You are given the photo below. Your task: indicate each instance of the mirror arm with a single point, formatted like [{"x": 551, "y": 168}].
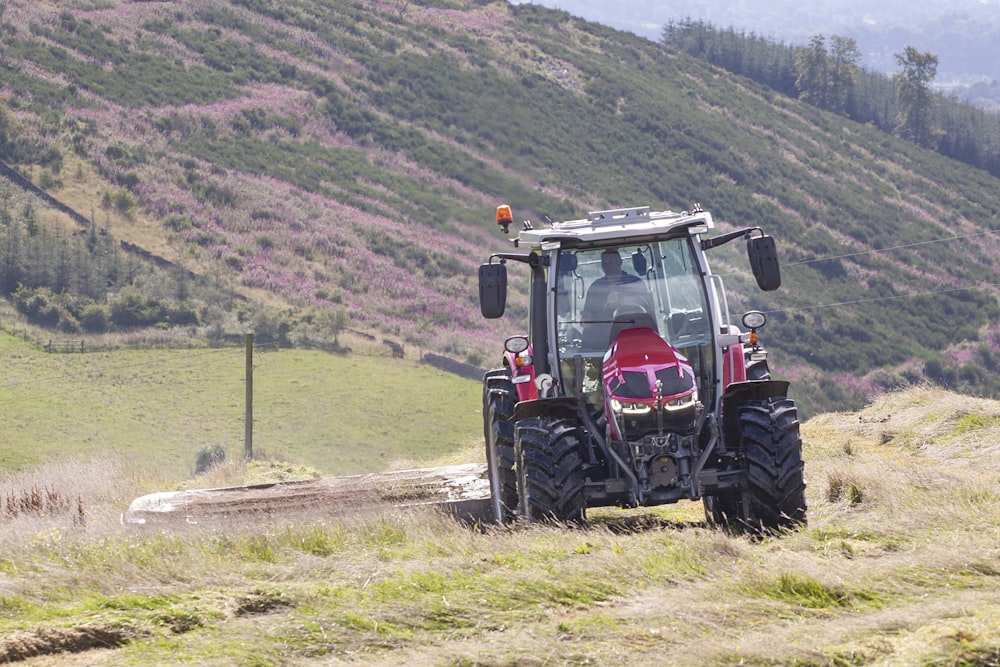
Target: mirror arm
[
  {"x": 708, "y": 244},
  {"x": 503, "y": 257},
  {"x": 531, "y": 259}
]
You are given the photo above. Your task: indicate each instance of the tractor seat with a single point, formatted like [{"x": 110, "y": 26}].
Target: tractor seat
[{"x": 631, "y": 321}]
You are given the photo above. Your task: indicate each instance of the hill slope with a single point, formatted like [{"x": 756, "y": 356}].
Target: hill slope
[
  {"x": 351, "y": 155},
  {"x": 898, "y": 566}
]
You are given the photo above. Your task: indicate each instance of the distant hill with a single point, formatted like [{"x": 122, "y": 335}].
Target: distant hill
[
  {"x": 318, "y": 156},
  {"x": 965, "y": 35}
]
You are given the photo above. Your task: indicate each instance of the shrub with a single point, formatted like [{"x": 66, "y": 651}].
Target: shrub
[
  {"x": 67, "y": 322},
  {"x": 49, "y": 182},
  {"x": 179, "y": 223},
  {"x": 130, "y": 180},
  {"x": 132, "y": 309},
  {"x": 40, "y": 306},
  {"x": 95, "y": 318},
  {"x": 123, "y": 201},
  {"x": 183, "y": 315},
  {"x": 208, "y": 457}
]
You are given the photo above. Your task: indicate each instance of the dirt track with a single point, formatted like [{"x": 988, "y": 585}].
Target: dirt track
[{"x": 462, "y": 490}]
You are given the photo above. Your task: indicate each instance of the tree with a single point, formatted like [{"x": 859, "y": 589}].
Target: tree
[
  {"x": 811, "y": 66},
  {"x": 5, "y": 131},
  {"x": 335, "y": 320},
  {"x": 825, "y": 79},
  {"x": 915, "y": 99},
  {"x": 11, "y": 258},
  {"x": 843, "y": 71}
]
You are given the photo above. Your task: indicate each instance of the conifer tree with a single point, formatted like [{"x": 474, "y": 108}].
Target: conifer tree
[
  {"x": 843, "y": 71},
  {"x": 811, "y": 65},
  {"x": 913, "y": 91}
]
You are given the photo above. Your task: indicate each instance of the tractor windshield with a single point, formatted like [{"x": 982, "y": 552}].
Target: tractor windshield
[{"x": 601, "y": 291}]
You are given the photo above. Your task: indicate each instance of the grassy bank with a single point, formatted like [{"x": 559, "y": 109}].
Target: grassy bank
[{"x": 340, "y": 414}]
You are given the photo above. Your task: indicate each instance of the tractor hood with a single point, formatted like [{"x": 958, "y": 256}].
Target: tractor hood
[{"x": 644, "y": 375}]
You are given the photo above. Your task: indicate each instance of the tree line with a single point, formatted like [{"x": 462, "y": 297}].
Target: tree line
[
  {"x": 826, "y": 74},
  {"x": 80, "y": 282}
]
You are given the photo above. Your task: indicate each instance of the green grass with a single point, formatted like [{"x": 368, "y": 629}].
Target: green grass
[
  {"x": 802, "y": 591},
  {"x": 905, "y": 577},
  {"x": 423, "y": 588},
  {"x": 337, "y": 414},
  {"x": 975, "y": 422}
]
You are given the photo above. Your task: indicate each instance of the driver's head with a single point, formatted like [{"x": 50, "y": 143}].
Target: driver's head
[{"x": 611, "y": 263}]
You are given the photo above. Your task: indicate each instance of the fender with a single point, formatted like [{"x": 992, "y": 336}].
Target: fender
[
  {"x": 561, "y": 406},
  {"x": 741, "y": 392}
]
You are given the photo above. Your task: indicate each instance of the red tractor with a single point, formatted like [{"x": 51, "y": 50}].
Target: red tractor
[{"x": 632, "y": 387}]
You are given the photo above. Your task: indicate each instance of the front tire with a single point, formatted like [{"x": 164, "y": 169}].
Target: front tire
[
  {"x": 499, "y": 399},
  {"x": 771, "y": 448},
  {"x": 725, "y": 509},
  {"x": 551, "y": 477}
]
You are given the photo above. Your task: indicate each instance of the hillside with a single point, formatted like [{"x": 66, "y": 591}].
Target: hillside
[
  {"x": 349, "y": 156},
  {"x": 898, "y": 566}
]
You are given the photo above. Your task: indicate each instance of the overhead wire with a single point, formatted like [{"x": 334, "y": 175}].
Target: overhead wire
[
  {"x": 161, "y": 365},
  {"x": 898, "y": 247},
  {"x": 223, "y": 349},
  {"x": 882, "y": 250},
  {"x": 113, "y": 368},
  {"x": 883, "y": 298}
]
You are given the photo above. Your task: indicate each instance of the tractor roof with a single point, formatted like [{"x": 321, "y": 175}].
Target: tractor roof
[{"x": 622, "y": 223}]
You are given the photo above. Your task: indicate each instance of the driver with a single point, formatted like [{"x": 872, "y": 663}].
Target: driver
[{"x": 616, "y": 292}]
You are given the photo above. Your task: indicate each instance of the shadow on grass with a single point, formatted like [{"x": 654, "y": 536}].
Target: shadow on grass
[{"x": 638, "y": 521}]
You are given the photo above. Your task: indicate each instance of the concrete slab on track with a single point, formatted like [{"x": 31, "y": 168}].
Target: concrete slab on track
[{"x": 462, "y": 490}]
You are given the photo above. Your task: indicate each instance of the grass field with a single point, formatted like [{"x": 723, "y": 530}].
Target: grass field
[
  {"x": 338, "y": 414},
  {"x": 898, "y": 565}
]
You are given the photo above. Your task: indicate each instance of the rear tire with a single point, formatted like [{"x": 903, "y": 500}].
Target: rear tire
[
  {"x": 499, "y": 399},
  {"x": 551, "y": 477},
  {"x": 774, "y": 499}
]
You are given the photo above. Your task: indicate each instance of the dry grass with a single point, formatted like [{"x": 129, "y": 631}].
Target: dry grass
[
  {"x": 73, "y": 497},
  {"x": 899, "y": 566}
]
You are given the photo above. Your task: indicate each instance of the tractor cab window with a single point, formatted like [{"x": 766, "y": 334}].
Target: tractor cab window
[
  {"x": 683, "y": 304},
  {"x": 606, "y": 290},
  {"x": 600, "y": 292}
]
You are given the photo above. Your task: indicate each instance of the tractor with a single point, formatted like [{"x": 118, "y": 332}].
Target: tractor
[{"x": 632, "y": 387}]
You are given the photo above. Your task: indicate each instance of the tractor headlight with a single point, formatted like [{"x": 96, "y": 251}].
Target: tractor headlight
[
  {"x": 629, "y": 408},
  {"x": 681, "y": 403}
]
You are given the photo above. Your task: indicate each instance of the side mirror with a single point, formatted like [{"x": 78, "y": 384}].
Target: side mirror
[
  {"x": 567, "y": 262},
  {"x": 492, "y": 290},
  {"x": 763, "y": 254}
]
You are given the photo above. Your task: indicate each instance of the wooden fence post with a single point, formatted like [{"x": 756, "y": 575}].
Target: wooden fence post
[{"x": 248, "y": 425}]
